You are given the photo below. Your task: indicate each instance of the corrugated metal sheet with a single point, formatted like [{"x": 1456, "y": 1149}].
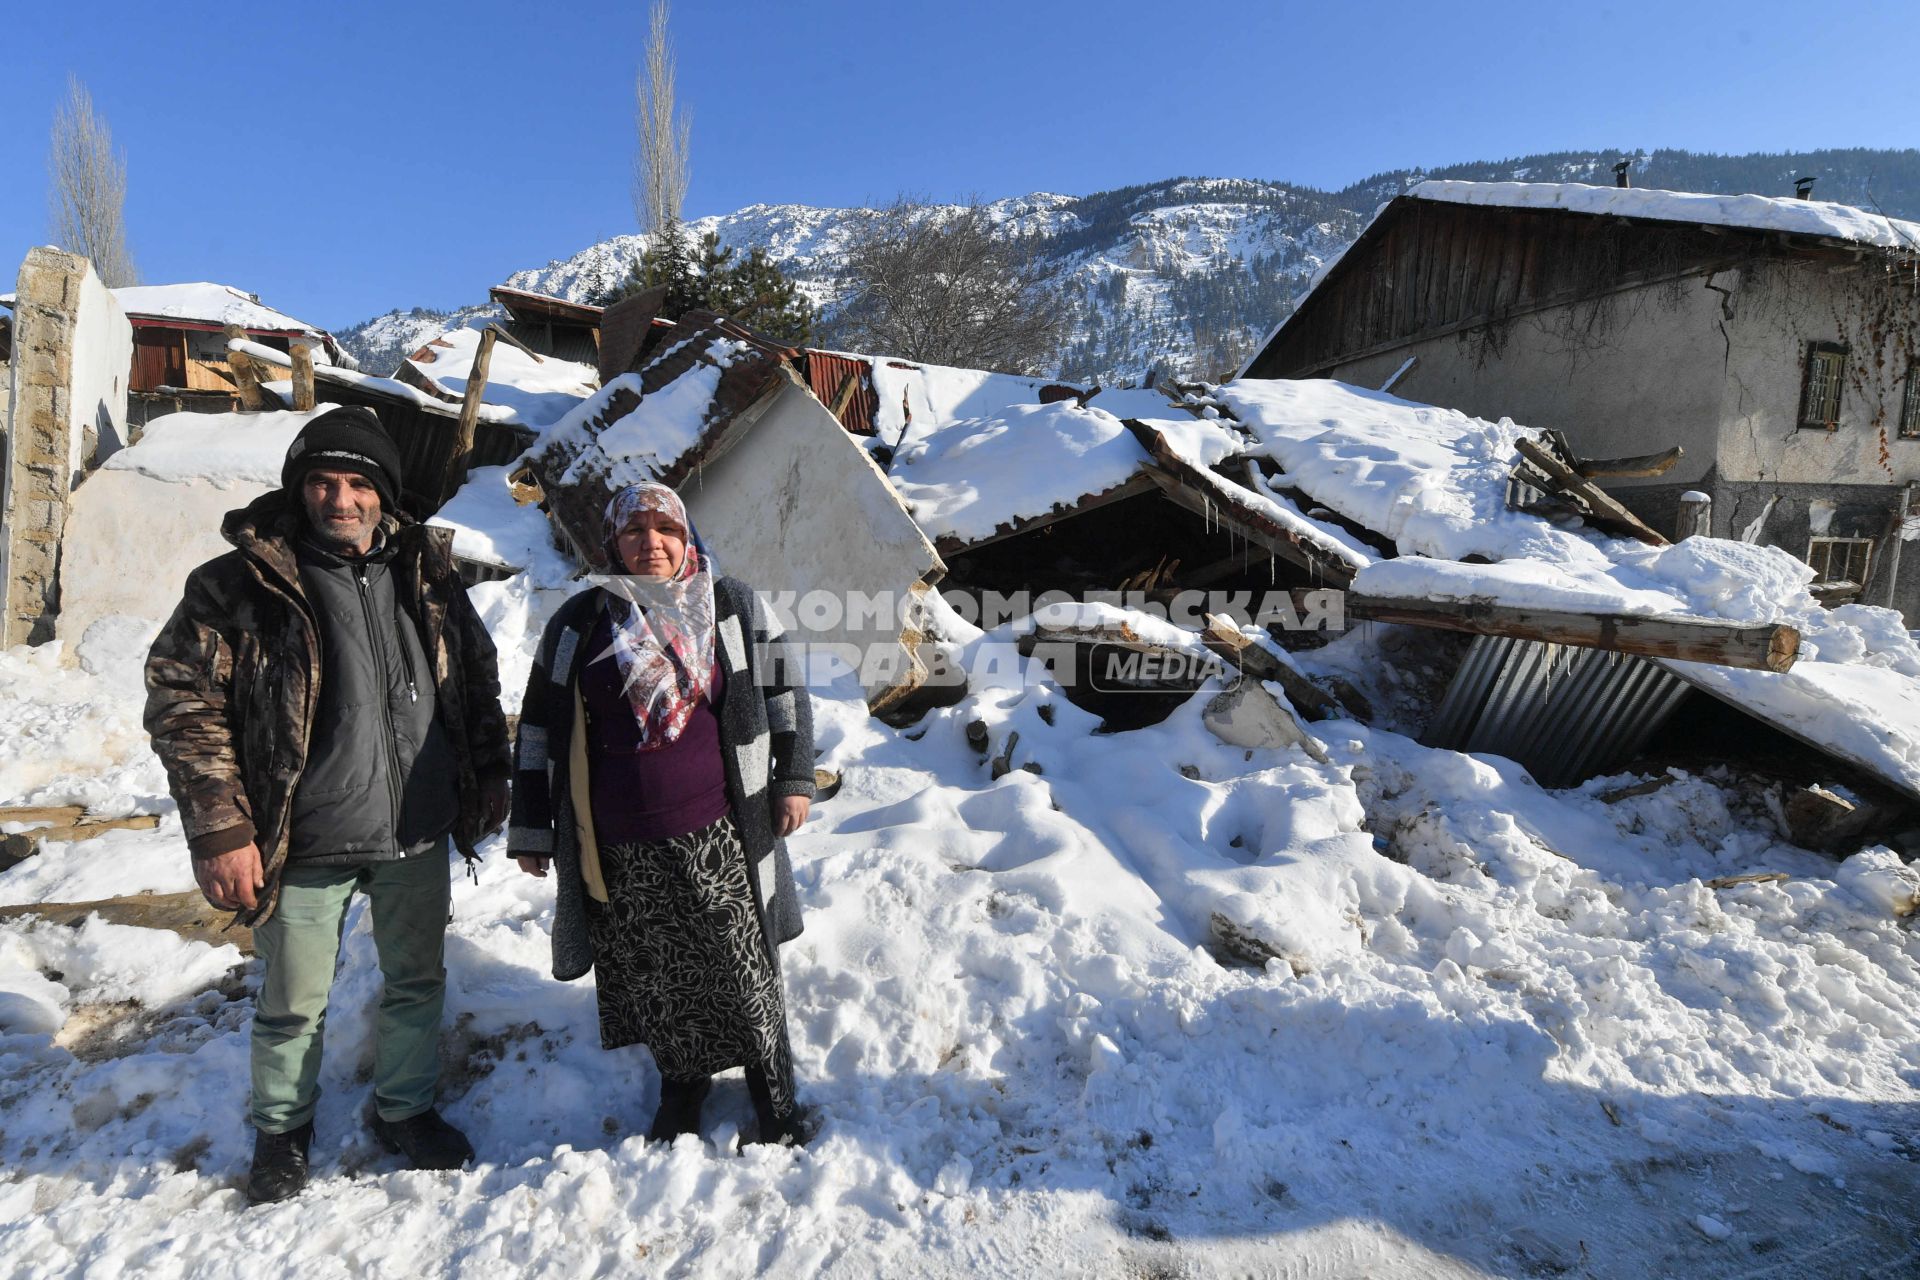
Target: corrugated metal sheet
[
  {"x": 1564, "y": 713},
  {"x": 827, "y": 376}
]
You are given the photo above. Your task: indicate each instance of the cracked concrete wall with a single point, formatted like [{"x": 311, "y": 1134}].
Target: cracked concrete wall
[{"x": 72, "y": 351}]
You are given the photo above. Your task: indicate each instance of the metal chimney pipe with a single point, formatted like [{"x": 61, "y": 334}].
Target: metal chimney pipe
[
  {"x": 1620, "y": 178},
  {"x": 1803, "y": 187}
]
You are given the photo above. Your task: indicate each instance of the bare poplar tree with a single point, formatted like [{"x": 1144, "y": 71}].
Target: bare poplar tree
[
  {"x": 660, "y": 163},
  {"x": 87, "y": 188},
  {"x": 947, "y": 287}
]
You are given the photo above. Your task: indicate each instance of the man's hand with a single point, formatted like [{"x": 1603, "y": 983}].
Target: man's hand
[
  {"x": 536, "y": 867},
  {"x": 230, "y": 880},
  {"x": 494, "y": 798},
  {"x": 788, "y": 813}
]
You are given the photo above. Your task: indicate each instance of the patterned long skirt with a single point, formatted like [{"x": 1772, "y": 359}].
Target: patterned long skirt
[{"x": 681, "y": 964}]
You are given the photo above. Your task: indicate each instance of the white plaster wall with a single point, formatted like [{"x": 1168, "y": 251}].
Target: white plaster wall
[
  {"x": 131, "y": 540},
  {"x": 797, "y": 505},
  {"x": 1776, "y": 315},
  {"x": 1651, "y": 379},
  {"x": 102, "y": 362}
]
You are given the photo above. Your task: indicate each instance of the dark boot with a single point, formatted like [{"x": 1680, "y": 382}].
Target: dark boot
[
  {"x": 425, "y": 1140},
  {"x": 782, "y": 1129},
  {"x": 680, "y": 1103},
  {"x": 279, "y": 1164}
]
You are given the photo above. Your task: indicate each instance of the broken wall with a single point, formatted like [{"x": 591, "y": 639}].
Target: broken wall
[
  {"x": 72, "y": 350},
  {"x": 799, "y": 507}
]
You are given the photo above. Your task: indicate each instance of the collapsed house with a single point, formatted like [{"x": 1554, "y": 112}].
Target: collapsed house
[{"x": 1756, "y": 353}]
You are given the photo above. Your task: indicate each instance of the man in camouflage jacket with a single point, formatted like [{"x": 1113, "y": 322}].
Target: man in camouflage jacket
[{"x": 326, "y": 703}]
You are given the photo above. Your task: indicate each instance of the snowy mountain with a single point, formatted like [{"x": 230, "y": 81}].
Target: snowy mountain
[{"x": 1182, "y": 275}]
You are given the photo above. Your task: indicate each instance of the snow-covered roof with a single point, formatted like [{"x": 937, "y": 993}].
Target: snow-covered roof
[
  {"x": 1434, "y": 482},
  {"x": 539, "y": 390},
  {"x": 206, "y": 303},
  {"x": 1761, "y": 213}
]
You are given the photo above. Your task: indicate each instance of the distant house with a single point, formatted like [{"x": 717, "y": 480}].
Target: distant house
[
  {"x": 180, "y": 344},
  {"x": 1776, "y": 340}
]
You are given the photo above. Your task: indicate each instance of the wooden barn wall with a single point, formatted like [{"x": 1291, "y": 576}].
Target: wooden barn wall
[{"x": 1433, "y": 267}]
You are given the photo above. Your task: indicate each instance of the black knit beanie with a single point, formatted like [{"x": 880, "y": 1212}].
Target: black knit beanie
[{"x": 349, "y": 439}]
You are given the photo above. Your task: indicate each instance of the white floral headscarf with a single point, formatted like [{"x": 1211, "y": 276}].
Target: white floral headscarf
[{"x": 663, "y": 638}]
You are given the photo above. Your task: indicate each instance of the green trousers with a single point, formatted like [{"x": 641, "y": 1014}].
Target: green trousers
[{"x": 299, "y": 945}]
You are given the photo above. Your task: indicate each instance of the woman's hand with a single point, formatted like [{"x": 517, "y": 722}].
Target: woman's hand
[
  {"x": 531, "y": 865},
  {"x": 788, "y": 813}
]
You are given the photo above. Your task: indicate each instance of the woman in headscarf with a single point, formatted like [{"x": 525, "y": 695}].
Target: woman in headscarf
[{"x": 663, "y": 755}]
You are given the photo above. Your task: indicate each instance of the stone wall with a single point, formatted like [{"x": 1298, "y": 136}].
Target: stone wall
[{"x": 72, "y": 350}]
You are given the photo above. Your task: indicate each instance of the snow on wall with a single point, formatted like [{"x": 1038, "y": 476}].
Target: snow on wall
[{"x": 97, "y": 387}]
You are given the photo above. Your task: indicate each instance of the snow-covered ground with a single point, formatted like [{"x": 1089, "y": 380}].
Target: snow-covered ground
[{"x": 1513, "y": 1032}]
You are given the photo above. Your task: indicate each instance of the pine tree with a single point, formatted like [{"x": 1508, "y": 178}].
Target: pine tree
[{"x": 753, "y": 290}]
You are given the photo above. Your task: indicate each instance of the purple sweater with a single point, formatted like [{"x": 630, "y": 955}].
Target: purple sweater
[{"x": 647, "y": 795}]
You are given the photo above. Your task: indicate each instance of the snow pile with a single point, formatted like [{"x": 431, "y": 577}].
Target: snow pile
[
  {"x": 1025, "y": 1040},
  {"x": 539, "y": 390},
  {"x": 223, "y": 449},
  {"x": 966, "y": 479},
  {"x": 1761, "y": 213},
  {"x": 1435, "y": 482},
  {"x": 918, "y": 399}
]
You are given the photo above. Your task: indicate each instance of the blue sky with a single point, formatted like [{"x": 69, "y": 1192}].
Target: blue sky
[{"x": 341, "y": 160}]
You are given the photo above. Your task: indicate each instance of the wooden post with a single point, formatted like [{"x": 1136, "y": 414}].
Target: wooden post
[
  {"x": 1696, "y": 516},
  {"x": 1607, "y": 512},
  {"x": 246, "y": 379},
  {"x": 303, "y": 397},
  {"x": 469, "y": 416}
]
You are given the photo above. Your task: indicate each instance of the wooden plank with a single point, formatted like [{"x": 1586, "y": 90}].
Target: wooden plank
[
  {"x": 462, "y": 454},
  {"x": 303, "y": 399},
  {"x": 1607, "y": 513},
  {"x": 1646, "y": 464},
  {"x": 1216, "y": 500},
  {"x": 1224, "y": 639},
  {"x": 58, "y": 814},
  {"x": 537, "y": 357},
  {"x": 1766, "y": 647}
]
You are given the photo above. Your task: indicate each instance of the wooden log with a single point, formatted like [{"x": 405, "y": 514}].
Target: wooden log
[
  {"x": 1606, "y": 513},
  {"x": 462, "y": 455},
  {"x": 246, "y": 378},
  {"x": 1757, "y": 877},
  {"x": 1696, "y": 516},
  {"x": 1763, "y": 647},
  {"x": 844, "y": 396},
  {"x": 303, "y": 398},
  {"x": 537, "y": 357},
  {"x": 1640, "y": 465},
  {"x": 1224, "y": 640}
]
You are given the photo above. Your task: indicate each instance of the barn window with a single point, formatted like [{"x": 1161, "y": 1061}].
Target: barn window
[
  {"x": 1910, "y": 404},
  {"x": 1839, "y": 563},
  {"x": 1820, "y": 392}
]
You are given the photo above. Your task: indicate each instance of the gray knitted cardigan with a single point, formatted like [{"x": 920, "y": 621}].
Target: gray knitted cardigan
[{"x": 766, "y": 737}]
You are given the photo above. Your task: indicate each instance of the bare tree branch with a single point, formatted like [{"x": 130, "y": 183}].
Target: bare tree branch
[
  {"x": 948, "y": 287},
  {"x": 660, "y": 164},
  {"x": 87, "y": 188}
]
